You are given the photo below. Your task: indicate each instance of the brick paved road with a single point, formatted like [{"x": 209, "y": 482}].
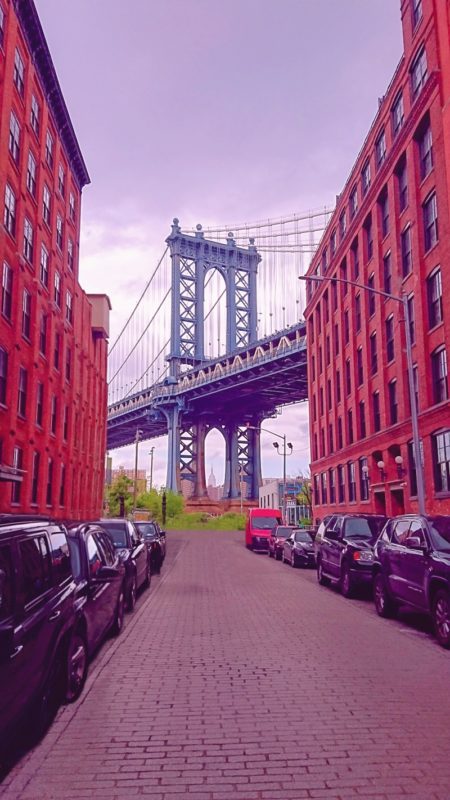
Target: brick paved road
[{"x": 239, "y": 678}]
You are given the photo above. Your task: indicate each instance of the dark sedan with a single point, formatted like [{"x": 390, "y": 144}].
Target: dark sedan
[
  {"x": 155, "y": 539},
  {"x": 298, "y": 549},
  {"x": 100, "y": 577},
  {"x": 412, "y": 568},
  {"x": 132, "y": 550},
  {"x": 277, "y": 539}
]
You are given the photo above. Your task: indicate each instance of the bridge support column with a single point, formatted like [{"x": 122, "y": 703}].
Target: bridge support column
[
  {"x": 172, "y": 415},
  {"x": 231, "y": 485},
  {"x": 200, "y": 433},
  {"x": 255, "y": 459}
]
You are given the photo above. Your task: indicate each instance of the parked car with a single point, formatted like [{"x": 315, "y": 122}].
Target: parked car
[
  {"x": 276, "y": 540},
  {"x": 155, "y": 539},
  {"x": 320, "y": 530},
  {"x": 100, "y": 577},
  {"x": 412, "y": 567},
  {"x": 132, "y": 550},
  {"x": 260, "y": 523},
  {"x": 345, "y": 553},
  {"x": 298, "y": 549},
  {"x": 43, "y": 648}
]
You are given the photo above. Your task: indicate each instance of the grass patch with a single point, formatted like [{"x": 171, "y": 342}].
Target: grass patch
[{"x": 200, "y": 521}]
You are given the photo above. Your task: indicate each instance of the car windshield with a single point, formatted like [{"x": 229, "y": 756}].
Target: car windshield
[
  {"x": 147, "y": 528},
  {"x": 117, "y": 533},
  {"x": 283, "y": 533},
  {"x": 303, "y": 536},
  {"x": 364, "y": 527},
  {"x": 264, "y": 523},
  {"x": 440, "y": 533}
]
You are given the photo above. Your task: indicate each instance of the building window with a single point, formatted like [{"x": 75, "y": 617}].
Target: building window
[
  {"x": 346, "y": 328},
  {"x": 324, "y": 261},
  {"x": 412, "y": 321},
  {"x": 14, "y": 138},
  {"x": 373, "y": 354},
  {"x": 365, "y": 178},
  {"x": 26, "y": 314},
  {"x": 406, "y": 251},
  {"x": 326, "y": 309},
  {"x": 327, "y": 350},
  {"x": 66, "y": 423},
  {"x": 439, "y": 374},
  {"x": 43, "y": 335},
  {"x": 31, "y": 174},
  {"x": 402, "y": 184},
  {"x": 425, "y": 144},
  {"x": 72, "y": 206},
  {"x": 350, "y": 426},
  {"x": 332, "y": 483},
  {"x": 362, "y": 420},
  {"x": 380, "y": 149},
  {"x": 368, "y": 237},
  {"x": 53, "y": 414},
  {"x": 320, "y": 360},
  {"x": 321, "y": 401},
  {"x": 330, "y": 439},
  {"x": 35, "y": 478},
  {"x": 419, "y": 72},
  {"x": 7, "y": 278},
  {"x": 340, "y": 437},
  {"x": 48, "y": 494},
  {"x": 371, "y": 295},
  {"x": 397, "y": 114},
  {"x": 322, "y": 443},
  {"x": 35, "y": 115},
  {"x": 57, "y": 289},
  {"x": 353, "y": 202},
  {"x": 348, "y": 379},
  {"x": 57, "y": 351},
  {"x": 17, "y": 464},
  {"x": 323, "y": 486},
  {"x": 359, "y": 366},
  {"x": 343, "y": 269},
  {"x": 62, "y": 485},
  {"x": 430, "y": 221},
  {"x": 316, "y": 490},
  {"x": 387, "y": 273},
  {"x": 338, "y": 386},
  {"x": 355, "y": 260},
  {"x": 434, "y": 292},
  {"x": 416, "y": 386},
  {"x": 70, "y": 254},
  {"x": 59, "y": 232},
  {"x": 342, "y": 225},
  {"x": 68, "y": 364},
  {"x": 3, "y": 375},
  {"x": 49, "y": 149},
  {"x": 28, "y": 237},
  {"x": 383, "y": 203},
  {"x": 393, "y": 406},
  {"x": 39, "y": 403},
  {"x": 61, "y": 180},
  {"x": 341, "y": 483},
  {"x": 358, "y": 312},
  {"x": 313, "y": 368},
  {"x": 363, "y": 479},
  {"x": 43, "y": 271},
  {"x": 22, "y": 392},
  {"x": 416, "y": 12},
  {"x": 351, "y": 482},
  {"x": 9, "y": 217},
  {"x": 334, "y": 295},
  {"x": 376, "y": 412},
  {"x": 46, "y": 204},
  {"x": 329, "y": 394},
  {"x": 314, "y": 404},
  {"x": 441, "y": 448},
  {"x": 19, "y": 73},
  {"x": 336, "y": 339},
  {"x": 412, "y": 466},
  {"x": 390, "y": 349}
]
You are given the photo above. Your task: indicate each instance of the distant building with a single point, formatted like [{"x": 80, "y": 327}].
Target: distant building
[
  {"x": 129, "y": 473},
  {"x": 271, "y": 496},
  {"x": 390, "y": 231},
  {"x": 214, "y": 492},
  {"x": 53, "y": 336}
]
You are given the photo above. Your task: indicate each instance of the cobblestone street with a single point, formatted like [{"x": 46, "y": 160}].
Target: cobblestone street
[{"x": 238, "y": 678}]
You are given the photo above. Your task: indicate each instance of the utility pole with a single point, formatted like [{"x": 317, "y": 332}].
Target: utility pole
[
  {"x": 152, "y": 450},
  {"x": 138, "y": 433}
]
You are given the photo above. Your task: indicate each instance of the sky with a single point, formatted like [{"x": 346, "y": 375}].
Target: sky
[{"x": 212, "y": 111}]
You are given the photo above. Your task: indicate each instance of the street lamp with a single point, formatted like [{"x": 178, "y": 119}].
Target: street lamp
[
  {"x": 403, "y": 300},
  {"x": 152, "y": 450},
  {"x": 284, "y": 453},
  {"x": 138, "y": 433}
]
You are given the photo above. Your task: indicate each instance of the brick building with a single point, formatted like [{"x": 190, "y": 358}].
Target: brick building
[
  {"x": 53, "y": 345},
  {"x": 390, "y": 231}
]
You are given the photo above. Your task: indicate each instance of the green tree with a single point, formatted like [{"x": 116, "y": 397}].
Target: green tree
[
  {"x": 120, "y": 488},
  {"x": 152, "y": 501},
  {"x": 304, "y": 497}
]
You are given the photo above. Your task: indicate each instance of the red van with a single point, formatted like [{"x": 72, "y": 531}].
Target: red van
[{"x": 260, "y": 524}]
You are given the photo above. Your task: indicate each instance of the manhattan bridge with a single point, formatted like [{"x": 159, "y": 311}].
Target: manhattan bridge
[{"x": 215, "y": 340}]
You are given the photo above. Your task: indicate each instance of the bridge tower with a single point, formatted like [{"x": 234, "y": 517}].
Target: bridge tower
[{"x": 193, "y": 257}]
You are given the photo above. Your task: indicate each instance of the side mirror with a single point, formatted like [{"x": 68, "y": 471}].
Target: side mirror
[
  {"x": 415, "y": 543},
  {"x": 107, "y": 574},
  {"x": 163, "y": 534},
  {"x": 332, "y": 535}
]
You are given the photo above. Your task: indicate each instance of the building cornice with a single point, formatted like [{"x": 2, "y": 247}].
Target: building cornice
[{"x": 40, "y": 53}]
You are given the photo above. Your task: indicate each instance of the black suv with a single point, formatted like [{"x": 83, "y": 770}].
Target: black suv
[
  {"x": 155, "y": 539},
  {"x": 129, "y": 543},
  {"x": 43, "y": 652},
  {"x": 345, "y": 553},
  {"x": 412, "y": 567}
]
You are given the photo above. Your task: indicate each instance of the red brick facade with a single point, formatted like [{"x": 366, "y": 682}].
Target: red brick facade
[
  {"x": 391, "y": 231},
  {"x": 52, "y": 335}
]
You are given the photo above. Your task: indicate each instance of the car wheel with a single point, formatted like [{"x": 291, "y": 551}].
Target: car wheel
[
  {"x": 76, "y": 667},
  {"x": 324, "y": 581},
  {"x": 346, "y": 583},
  {"x": 117, "y": 625},
  {"x": 441, "y": 617},
  {"x": 293, "y": 561},
  {"x": 384, "y": 606},
  {"x": 132, "y": 594}
]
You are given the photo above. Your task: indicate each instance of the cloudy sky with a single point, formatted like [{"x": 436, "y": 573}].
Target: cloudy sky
[{"x": 212, "y": 111}]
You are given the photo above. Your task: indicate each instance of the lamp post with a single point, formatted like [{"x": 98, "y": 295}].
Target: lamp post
[
  {"x": 403, "y": 300},
  {"x": 152, "y": 450},
  {"x": 284, "y": 454},
  {"x": 138, "y": 433}
]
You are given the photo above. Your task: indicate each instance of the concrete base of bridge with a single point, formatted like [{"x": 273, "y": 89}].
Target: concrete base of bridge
[{"x": 217, "y": 507}]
